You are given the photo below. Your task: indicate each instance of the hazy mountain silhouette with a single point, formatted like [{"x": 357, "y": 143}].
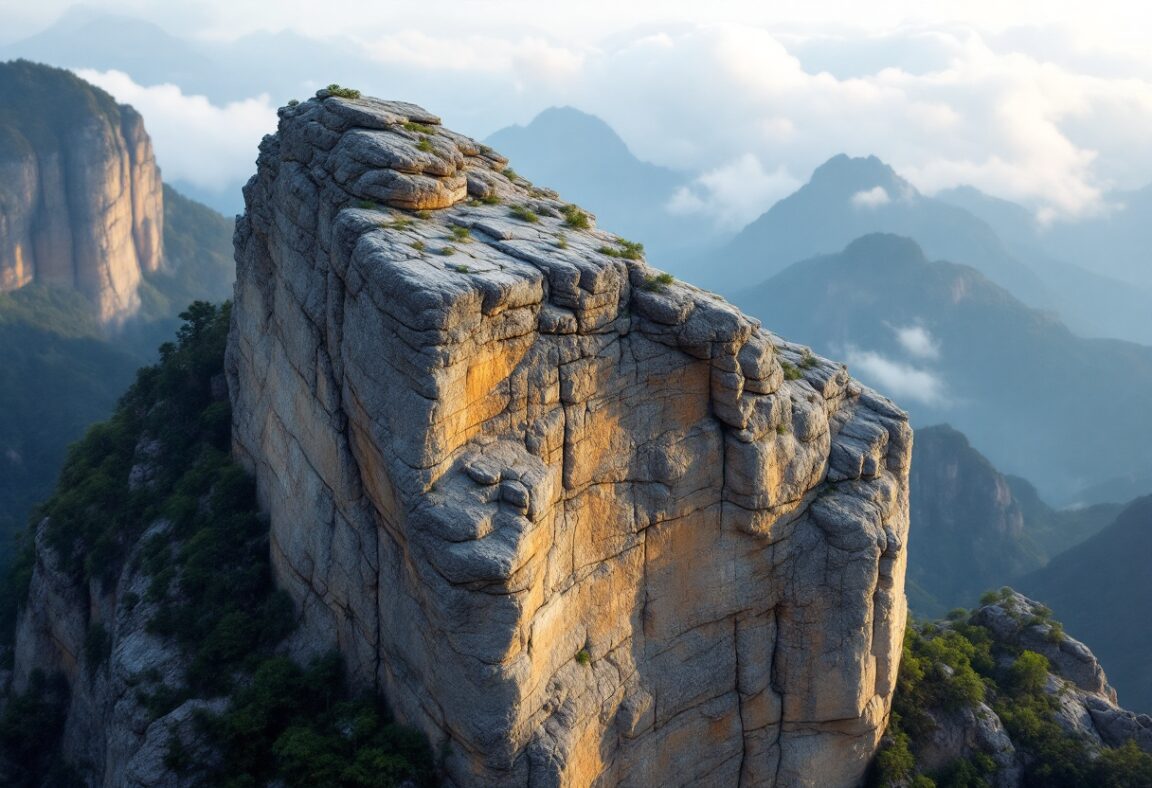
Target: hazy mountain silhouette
[
  {"x": 1102, "y": 591},
  {"x": 581, "y": 156},
  {"x": 1090, "y": 295},
  {"x": 977, "y": 529},
  {"x": 1117, "y": 243},
  {"x": 1042, "y": 403},
  {"x": 849, "y": 197}
]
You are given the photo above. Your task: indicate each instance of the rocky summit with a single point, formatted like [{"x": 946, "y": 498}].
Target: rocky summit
[{"x": 581, "y": 523}]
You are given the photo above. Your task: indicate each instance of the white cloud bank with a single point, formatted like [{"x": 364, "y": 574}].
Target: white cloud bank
[
  {"x": 897, "y": 380},
  {"x": 748, "y": 111},
  {"x": 918, "y": 342},
  {"x": 871, "y": 198},
  {"x": 196, "y": 141}
]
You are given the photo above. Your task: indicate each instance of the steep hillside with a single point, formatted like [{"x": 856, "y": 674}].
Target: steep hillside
[
  {"x": 60, "y": 372},
  {"x": 57, "y": 376},
  {"x": 976, "y": 528},
  {"x": 956, "y": 348},
  {"x": 150, "y": 641},
  {"x": 1103, "y": 590},
  {"x": 91, "y": 289},
  {"x": 970, "y": 533}
]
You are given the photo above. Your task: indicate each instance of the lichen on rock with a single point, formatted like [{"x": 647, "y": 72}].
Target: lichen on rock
[{"x": 569, "y": 514}]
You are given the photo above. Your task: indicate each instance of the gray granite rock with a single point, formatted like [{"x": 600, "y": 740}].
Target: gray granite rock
[{"x": 567, "y": 513}]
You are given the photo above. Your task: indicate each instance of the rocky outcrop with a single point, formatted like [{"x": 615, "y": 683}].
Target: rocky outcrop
[
  {"x": 81, "y": 203},
  {"x": 581, "y": 523},
  {"x": 1087, "y": 702},
  {"x": 98, "y": 636}
]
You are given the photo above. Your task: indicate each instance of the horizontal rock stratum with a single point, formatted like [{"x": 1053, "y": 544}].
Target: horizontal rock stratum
[{"x": 581, "y": 523}]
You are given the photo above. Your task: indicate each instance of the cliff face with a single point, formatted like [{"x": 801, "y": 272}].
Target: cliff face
[
  {"x": 81, "y": 203},
  {"x": 972, "y": 533},
  {"x": 582, "y": 524}
]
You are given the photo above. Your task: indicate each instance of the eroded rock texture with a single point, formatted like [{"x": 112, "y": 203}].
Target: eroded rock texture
[
  {"x": 582, "y": 524},
  {"x": 81, "y": 201}
]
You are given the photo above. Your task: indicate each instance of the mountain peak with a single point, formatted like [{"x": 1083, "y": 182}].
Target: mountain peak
[
  {"x": 569, "y": 129},
  {"x": 854, "y": 174},
  {"x": 885, "y": 245}
]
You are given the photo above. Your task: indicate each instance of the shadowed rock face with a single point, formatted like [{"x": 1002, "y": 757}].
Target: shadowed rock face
[
  {"x": 581, "y": 524},
  {"x": 81, "y": 202}
]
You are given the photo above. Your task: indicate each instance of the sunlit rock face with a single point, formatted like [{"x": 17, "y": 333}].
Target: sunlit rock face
[
  {"x": 579, "y": 522},
  {"x": 81, "y": 200}
]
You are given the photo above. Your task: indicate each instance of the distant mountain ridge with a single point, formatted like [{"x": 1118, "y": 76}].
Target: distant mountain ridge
[
  {"x": 850, "y": 197},
  {"x": 976, "y": 528},
  {"x": 1102, "y": 590},
  {"x": 1015, "y": 380},
  {"x": 568, "y": 149}
]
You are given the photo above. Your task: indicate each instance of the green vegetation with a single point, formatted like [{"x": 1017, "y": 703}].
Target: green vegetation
[
  {"x": 955, "y": 665},
  {"x": 510, "y": 174},
  {"x": 461, "y": 268},
  {"x": 30, "y": 730},
  {"x": 628, "y": 250},
  {"x": 419, "y": 246},
  {"x": 491, "y": 198},
  {"x": 290, "y": 726},
  {"x": 199, "y": 264},
  {"x": 420, "y": 128},
  {"x": 461, "y": 234},
  {"x": 57, "y": 376},
  {"x": 367, "y": 205},
  {"x": 561, "y": 241},
  {"x": 423, "y": 214},
  {"x": 808, "y": 360},
  {"x": 583, "y": 657},
  {"x": 43, "y": 105},
  {"x": 658, "y": 283},
  {"x": 791, "y": 371},
  {"x": 782, "y": 429},
  {"x": 575, "y": 218},
  {"x": 341, "y": 92},
  {"x": 425, "y": 145},
  {"x": 194, "y": 530},
  {"x": 398, "y": 224},
  {"x": 448, "y": 250},
  {"x": 293, "y": 102},
  {"x": 524, "y": 213}
]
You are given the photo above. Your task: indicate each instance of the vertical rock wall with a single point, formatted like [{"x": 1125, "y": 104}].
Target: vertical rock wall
[
  {"x": 81, "y": 201},
  {"x": 581, "y": 523}
]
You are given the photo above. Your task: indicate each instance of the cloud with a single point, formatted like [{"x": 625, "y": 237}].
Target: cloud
[
  {"x": 917, "y": 342},
  {"x": 733, "y": 194},
  {"x": 896, "y": 380},
  {"x": 747, "y": 110},
  {"x": 209, "y": 146},
  {"x": 871, "y": 198}
]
